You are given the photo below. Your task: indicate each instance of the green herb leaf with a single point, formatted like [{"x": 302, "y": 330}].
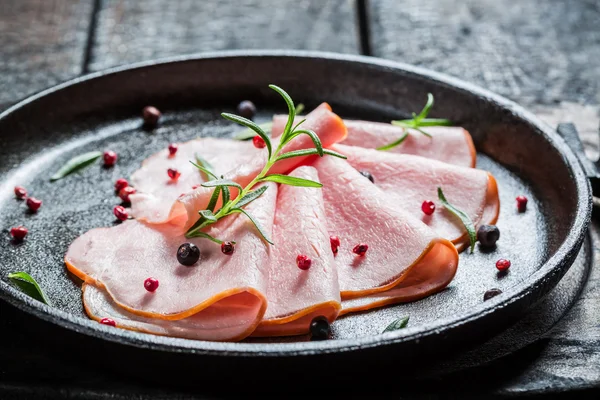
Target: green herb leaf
[
  {"x": 207, "y": 216},
  {"x": 249, "y": 124},
  {"x": 28, "y": 285},
  {"x": 75, "y": 164},
  {"x": 248, "y": 133},
  {"x": 223, "y": 182},
  {"x": 400, "y": 323},
  {"x": 291, "y": 180},
  {"x": 251, "y": 196},
  {"x": 308, "y": 152},
  {"x": 204, "y": 166},
  {"x": 259, "y": 228},
  {"x": 213, "y": 199},
  {"x": 291, "y": 112},
  {"x": 206, "y": 172},
  {"x": 464, "y": 218},
  {"x": 435, "y": 122},
  {"x": 205, "y": 235},
  {"x": 226, "y": 194},
  {"x": 394, "y": 144},
  {"x": 312, "y": 135}
]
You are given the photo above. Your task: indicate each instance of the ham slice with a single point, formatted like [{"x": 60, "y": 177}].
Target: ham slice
[
  {"x": 120, "y": 258},
  {"x": 405, "y": 261},
  {"x": 452, "y": 145},
  {"x": 229, "y": 319},
  {"x": 409, "y": 180},
  {"x": 156, "y": 192},
  {"x": 296, "y": 296}
]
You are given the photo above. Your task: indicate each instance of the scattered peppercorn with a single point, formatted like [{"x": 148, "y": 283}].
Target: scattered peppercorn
[
  {"x": 110, "y": 158},
  {"x": 173, "y": 149},
  {"x": 120, "y": 213},
  {"x": 173, "y": 174},
  {"x": 151, "y": 116},
  {"x": 488, "y": 235},
  {"x": 368, "y": 175},
  {"x": 360, "y": 249},
  {"x": 108, "y": 321},
  {"x": 303, "y": 262},
  {"x": 335, "y": 244},
  {"x": 18, "y": 233},
  {"x": 491, "y": 293},
  {"x": 33, "y": 204},
  {"x": 521, "y": 203},
  {"x": 20, "y": 192},
  {"x": 258, "y": 142},
  {"x": 227, "y": 248},
  {"x": 320, "y": 328},
  {"x": 151, "y": 284},
  {"x": 246, "y": 109},
  {"x": 428, "y": 207},
  {"x": 188, "y": 254},
  {"x": 502, "y": 264},
  {"x": 120, "y": 184}
]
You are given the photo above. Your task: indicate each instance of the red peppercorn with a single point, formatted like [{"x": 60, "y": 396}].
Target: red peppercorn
[
  {"x": 108, "y": 321},
  {"x": 173, "y": 174},
  {"x": 151, "y": 115},
  {"x": 20, "y": 192},
  {"x": 227, "y": 248},
  {"x": 173, "y": 149},
  {"x": 521, "y": 203},
  {"x": 502, "y": 264},
  {"x": 303, "y": 262},
  {"x": 18, "y": 233},
  {"x": 151, "y": 284},
  {"x": 120, "y": 213},
  {"x": 125, "y": 193},
  {"x": 120, "y": 184},
  {"x": 110, "y": 158},
  {"x": 428, "y": 207},
  {"x": 335, "y": 243},
  {"x": 360, "y": 249},
  {"x": 33, "y": 204},
  {"x": 259, "y": 142}
]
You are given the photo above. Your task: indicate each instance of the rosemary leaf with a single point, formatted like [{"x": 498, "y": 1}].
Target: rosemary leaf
[
  {"x": 249, "y": 124},
  {"x": 207, "y": 216},
  {"x": 291, "y": 180},
  {"x": 76, "y": 163},
  {"x": 226, "y": 194},
  {"x": 394, "y": 143},
  {"x": 223, "y": 182},
  {"x": 209, "y": 170},
  {"x": 206, "y": 172},
  {"x": 29, "y": 286},
  {"x": 259, "y": 228},
  {"x": 251, "y": 196},
  {"x": 313, "y": 136},
  {"x": 287, "y": 131},
  {"x": 464, "y": 218},
  {"x": 248, "y": 133},
  {"x": 308, "y": 152},
  {"x": 213, "y": 199},
  {"x": 205, "y": 235},
  {"x": 400, "y": 323}
]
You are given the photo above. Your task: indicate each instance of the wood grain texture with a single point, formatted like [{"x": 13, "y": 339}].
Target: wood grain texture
[
  {"x": 533, "y": 51},
  {"x": 42, "y": 42},
  {"x": 129, "y": 31}
]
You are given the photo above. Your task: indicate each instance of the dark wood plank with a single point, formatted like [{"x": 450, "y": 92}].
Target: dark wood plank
[
  {"x": 42, "y": 42},
  {"x": 129, "y": 31}
]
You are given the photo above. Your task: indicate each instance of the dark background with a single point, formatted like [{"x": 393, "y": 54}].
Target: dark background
[{"x": 544, "y": 54}]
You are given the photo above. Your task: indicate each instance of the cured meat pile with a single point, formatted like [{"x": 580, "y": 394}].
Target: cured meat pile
[{"x": 259, "y": 289}]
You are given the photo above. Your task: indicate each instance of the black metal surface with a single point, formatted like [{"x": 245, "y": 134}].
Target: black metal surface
[{"x": 544, "y": 241}]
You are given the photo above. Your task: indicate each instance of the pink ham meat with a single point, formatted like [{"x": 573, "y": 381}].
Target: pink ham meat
[
  {"x": 120, "y": 258},
  {"x": 297, "y": 296},
  {"x": 452, "y": 145},
  {"x": 327, "y": 125},
  {"x": 156, "y": 192},
  {"x": 227, "y": 319},
  {"x": 405, "y": 261},
  {"x": 409, "y": 180}
]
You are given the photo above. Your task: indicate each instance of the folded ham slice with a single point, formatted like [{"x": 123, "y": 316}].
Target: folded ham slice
[
  {"x": 453, "y": 145},
  {"x": 120, "y": 258},
  {"x": 405, "y": 261},
  {"x": 229, "y": 319},
  {"x": 296, "y": 296},
  {"x": 156, "y": 192},
  {"x": 409, "y": 180}
]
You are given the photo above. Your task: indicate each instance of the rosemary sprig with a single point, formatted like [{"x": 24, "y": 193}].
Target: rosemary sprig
[
  {"x": 248, "y": 133},
  {"x": 417, "y": 122},
  {"x": 464, "y": 218},
  {"x": 246, "y": 195}
]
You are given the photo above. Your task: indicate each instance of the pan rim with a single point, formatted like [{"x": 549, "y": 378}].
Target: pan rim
[{"x": 557, "y": 264}]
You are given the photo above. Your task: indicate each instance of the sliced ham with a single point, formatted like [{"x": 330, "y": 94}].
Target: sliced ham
[
  {"x": 409, "y": 180},
  {"x": 120, "y": 258},
  {"x": 156, "y": 192},
  {"x": 406, "y": 260},
  {"x": 229, "y": 319},
  {"x": 452, "y": 145},
  {"x": 296, "y": 296}
]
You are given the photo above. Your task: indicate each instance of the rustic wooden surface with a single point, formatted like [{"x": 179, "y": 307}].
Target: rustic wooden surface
[{"x": 544, "y": 54}]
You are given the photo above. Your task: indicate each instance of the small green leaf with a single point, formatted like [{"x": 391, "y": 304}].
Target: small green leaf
[
  {"x": 75, "y": 164},
  {"x": 213, "y": 199},
  {"x": 249, "y": 124},
  {"x": 226, "y": 194},
  {"x": 400, "y": 323},
  {"x": 251, "y": 196},
  {"x": 207, "y": 168},
  {"x": 313, "y": 136},
  {"x": 206, "y": 172},
  {"x": 248, "y": 133},
  {"x": 291, "y": 180},
  {"x": 435, "y": 122},
  {"x": 394, "y": 143},
  {"x": 308, "y": 152},
  {"x": 299, "y": 108},
  {"x": 291, "y": 113},
  {"x": 464, "y": 218},
  {"x": 28, "y": 285},
  {"x": 205, "y": 235},
  {"x": 207, "y": 216},
  {"x": 223, "y": 182},
  {"x": 255, "y": 222},
  {"x": 419, "y": 121}
]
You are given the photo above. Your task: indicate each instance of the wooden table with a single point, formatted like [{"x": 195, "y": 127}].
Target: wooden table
[{"x": 544, "y": 54}]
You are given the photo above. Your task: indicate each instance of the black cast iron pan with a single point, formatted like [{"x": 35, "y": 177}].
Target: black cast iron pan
[{"x": 101, "y": 111}]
